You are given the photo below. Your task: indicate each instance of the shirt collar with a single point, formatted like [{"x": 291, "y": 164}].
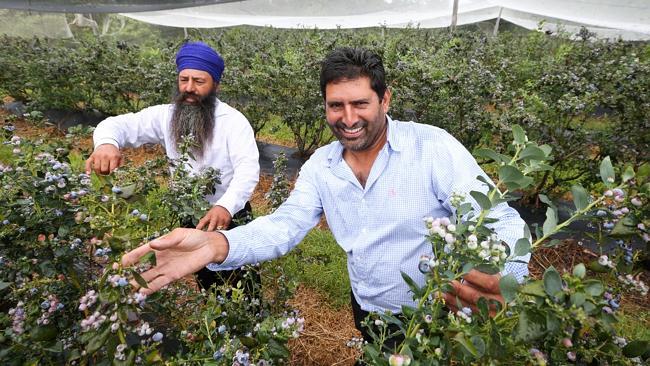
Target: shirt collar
[{"x": 393, "y": 140}]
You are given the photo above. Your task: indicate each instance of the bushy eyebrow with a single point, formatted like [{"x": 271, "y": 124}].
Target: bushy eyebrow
[{"x": 357, "y": 101}]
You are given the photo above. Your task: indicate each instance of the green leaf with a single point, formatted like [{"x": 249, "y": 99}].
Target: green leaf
[
  {"x": 643, "y": 172},
  {"x": 278, "y": 350},
  {"x": 412, "y": 285},
  {"x": 531, "y": 326},
  {"x": 518, "y": 134},
  {"x": 488, "y": 154},
  {"x": 56, "y": 347},
  {"x": 509, "y": 286},
  {"x": 579, "y": 270},
  {"x": 580, "y": 197},
  {"x": 487, "y": 268},
  {"x": 249, "y": 342},
  {"x": 522, "y": 247},
  {"x": 544, "y": 198},
  {"x": 97, "y": 341},
  {"x": 636, "y": 348},
  {"x": 140, "y": 280},
  {"x": 607, "y": 172},
  {"x": 551, "y": 221},
  {"x": 152, "y": 357},
  {"x": 532, "y": 152},
  {"x": 4, "y": 285},
  {"x": 552, "y": 323},
  {"x": 628, "y": 173},
  {"x": 578, "y": 299},
  {"x": 43, "y": 333},
  {"x": 597, "y": 267},
  {"x": 535, "y": 288},
  {"x": 625, "y": 227},
  {"x": 485, "y": 180},
  {"x": 547, "y": 149},
  {"x": 594, "y": 288},
  {"x": 468, "y": 346},
  {"x": 509, "y": 174},
  {"x": 127, "y": 191},
  {"x": 464, "y": 208},
  {"x": 481, "y": 199},
  {"x": 552, "y": 281},
  {"x": 479, "y": 345}
]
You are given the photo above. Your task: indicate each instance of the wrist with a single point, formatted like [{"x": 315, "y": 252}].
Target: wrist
[{"x": 220, "y": 247}]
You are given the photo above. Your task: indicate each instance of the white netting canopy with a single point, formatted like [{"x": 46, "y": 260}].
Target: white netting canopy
[{"x": 628, "y": 19}]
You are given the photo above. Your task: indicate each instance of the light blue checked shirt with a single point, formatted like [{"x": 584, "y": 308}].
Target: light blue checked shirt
[{"x": 381, "y": 226}]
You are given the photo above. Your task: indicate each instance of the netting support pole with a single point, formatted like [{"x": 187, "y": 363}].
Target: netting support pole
[
  {"x": 496, "y": 24},
  {"x": 185, "y": 32},
  {"x": 454, "y": 16}
]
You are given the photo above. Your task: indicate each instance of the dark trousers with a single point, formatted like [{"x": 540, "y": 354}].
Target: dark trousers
[
  {"x": 207, "y": 278},
  {"x": 359, "y": 315}
]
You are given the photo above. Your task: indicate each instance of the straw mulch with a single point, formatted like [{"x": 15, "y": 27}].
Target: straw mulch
[{"x": 327, "y": 330}]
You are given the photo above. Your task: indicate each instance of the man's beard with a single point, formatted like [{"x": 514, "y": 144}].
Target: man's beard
[{"x": 196, "y": 120}]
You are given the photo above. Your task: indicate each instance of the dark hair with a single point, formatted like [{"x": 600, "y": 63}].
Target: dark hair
[{"x": 352, "y": 63}]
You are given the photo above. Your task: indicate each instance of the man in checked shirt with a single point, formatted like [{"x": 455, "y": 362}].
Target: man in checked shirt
[{"x": 375, "y": 185}]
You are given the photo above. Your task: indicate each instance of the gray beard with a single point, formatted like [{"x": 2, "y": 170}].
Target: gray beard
[{"x": 196, "y": 120}]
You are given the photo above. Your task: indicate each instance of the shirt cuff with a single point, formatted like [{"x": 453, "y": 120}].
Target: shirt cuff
[
  {"x": 236, "y": 253},
  {"x": 107, "y": 140},
  {"x": 228, "y": 204}
]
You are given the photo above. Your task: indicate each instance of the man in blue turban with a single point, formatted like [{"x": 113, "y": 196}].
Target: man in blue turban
[{"x": 223, "y": 137}]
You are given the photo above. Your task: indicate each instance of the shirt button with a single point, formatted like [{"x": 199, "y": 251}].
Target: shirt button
[
  {"x": 364, "y": 230},
  {"x": 363, "y": 200}
]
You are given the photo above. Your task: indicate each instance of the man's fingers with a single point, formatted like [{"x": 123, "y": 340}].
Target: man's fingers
[
  {"x": 89, "y": 165},
  {"x": 104, "y": 166},
  {"x": 156, "y": 284},
  {"x": 134, "y": 256},
  {"x": 202, "y": 222},
  {"x": 485, "y": 281},
  {"x": 213, "y": 224},
  {"x": 172, "y": 239},
  {"x": 471, "y": 295},
  {"x": 114, "y": 164}
]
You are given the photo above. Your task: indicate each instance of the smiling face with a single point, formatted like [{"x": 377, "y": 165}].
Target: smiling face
[
  {"x": 355, "y": 114},
  {"x": 195, "y": 85}
]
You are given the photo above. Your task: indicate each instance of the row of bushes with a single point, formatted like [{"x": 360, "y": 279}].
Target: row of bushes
[{"x": 588, "y": 98}]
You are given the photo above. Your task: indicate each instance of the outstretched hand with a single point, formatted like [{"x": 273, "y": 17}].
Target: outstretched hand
[
  {"x": 474, "y": 286},
  {"x": 179, "y": 253}
]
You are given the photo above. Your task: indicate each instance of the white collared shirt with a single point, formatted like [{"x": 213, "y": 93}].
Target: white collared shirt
[{"x": 233, "y": 149}]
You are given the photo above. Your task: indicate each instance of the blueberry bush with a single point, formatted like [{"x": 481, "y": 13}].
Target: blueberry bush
[
  {"x": 67, "y": 300},
  {"x": 562, "y": 318}
]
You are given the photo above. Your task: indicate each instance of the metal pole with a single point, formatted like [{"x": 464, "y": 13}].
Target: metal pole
[
  {"x": 496, "y": 25},
  {"x": 454, "y": 16}
]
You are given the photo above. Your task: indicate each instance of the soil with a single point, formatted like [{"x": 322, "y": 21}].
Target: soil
[{"x": 327, "y": 329}]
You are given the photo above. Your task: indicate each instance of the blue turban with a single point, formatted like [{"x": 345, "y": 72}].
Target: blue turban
[{"x": 200, "y": 56}]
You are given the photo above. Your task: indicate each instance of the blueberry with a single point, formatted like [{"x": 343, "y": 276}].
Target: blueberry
[
  {"x": 45, "y": 305},
  {"x": 217, "y": 355},
  {"x": 157, "y": 337},
  {"x": 116, "y": 190}
]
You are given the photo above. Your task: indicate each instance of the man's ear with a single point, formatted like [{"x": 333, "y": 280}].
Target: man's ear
[{"x": 385, "y": 101}]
